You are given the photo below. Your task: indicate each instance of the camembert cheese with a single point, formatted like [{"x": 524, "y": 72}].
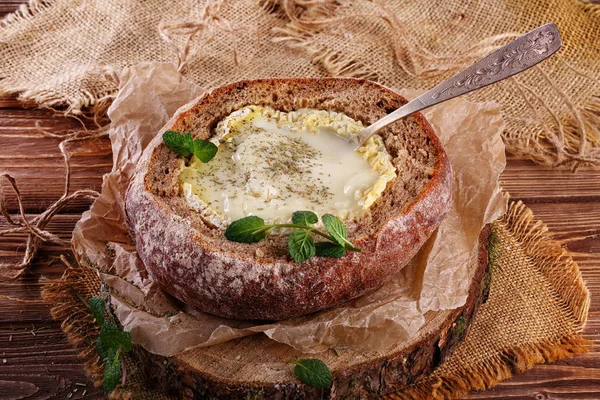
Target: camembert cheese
[{"x": 272, "y": 163}]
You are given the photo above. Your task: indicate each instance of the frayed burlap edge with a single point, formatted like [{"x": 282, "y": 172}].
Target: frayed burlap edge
[
  {"x": 554, "y": 261},
  {"x": 593, "y": 8},
  {"x": 334, "y": 63},
  {"x": 26, "y": 11},
  {"x": 573, "y": 140},
  {"x": 85, "y": 102},
  {"x": 503, "y": 366},
  {"x": 562, "y": 272}
]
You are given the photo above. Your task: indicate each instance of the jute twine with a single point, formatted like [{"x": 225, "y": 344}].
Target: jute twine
[
  {"x": 35, "y": 227},
  {"x": 67, "y": 52},
  {"x": 538, "y": 305}
]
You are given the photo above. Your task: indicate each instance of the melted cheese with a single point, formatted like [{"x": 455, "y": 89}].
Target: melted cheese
[{"x": 272, "y": 163}]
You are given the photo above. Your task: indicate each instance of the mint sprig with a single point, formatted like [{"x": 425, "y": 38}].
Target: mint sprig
[
  {"x": 301, "y": 244},
  {"x": 111, "y": 343},
  {"x": 186, "y": 145},
  {"x": 313, "y": 372}
]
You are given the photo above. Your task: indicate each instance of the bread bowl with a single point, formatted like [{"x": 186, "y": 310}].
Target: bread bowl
[{"x": 190, "y": 258}]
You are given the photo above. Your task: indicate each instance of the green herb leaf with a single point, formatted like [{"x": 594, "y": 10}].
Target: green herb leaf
[
  {"x": 336, "y": 228},
  {"x": 304, "y": 218},
  {"x": 98, "y": 309},
  {"x": 338, "y": 231},
  {"x": 204, "y": 150},
  {"x": 117, "y": 336},
  {"x": 186, "y": 145},
  {"x": 182, "y": 144},
  {"x": 246, "y": 230},
  {"x": 112, "y": 373},
  {"x": 328, "y": 249},
  {"x": 313, "y": 373},
  {"x": 111, "y": 342},
  {"x": 111, "y": 339},
  {"x": 106, "y": 351},
  {"x": 301, "y": 245}
]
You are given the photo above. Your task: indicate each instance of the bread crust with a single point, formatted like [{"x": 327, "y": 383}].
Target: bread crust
[{"x": 196, "y": 264}]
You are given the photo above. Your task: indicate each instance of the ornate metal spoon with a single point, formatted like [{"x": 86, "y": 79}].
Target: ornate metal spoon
[{"x": 509, "y": 60}]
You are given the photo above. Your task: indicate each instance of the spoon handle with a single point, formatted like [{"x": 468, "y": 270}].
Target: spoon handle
[{"x": 509, "y": 60}]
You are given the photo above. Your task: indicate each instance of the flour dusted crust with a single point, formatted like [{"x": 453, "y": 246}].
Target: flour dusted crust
[{"x": 195, "y": 263}]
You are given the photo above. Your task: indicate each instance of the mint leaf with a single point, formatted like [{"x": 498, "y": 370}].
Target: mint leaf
[
  {"x": 182, "y": 144},
  {"x": 246, "y": 230},
  {"x": 112, "y": 338},
  {"x": 338, "y": 231},
  {"x": 313, "y": 373},
  {"x": 98, "y": 309},
  {"x": 186, "y": 145},
  {"x": 328, "y": 249},
  {"x": 336, "y": 228},
  {"x": 304, "y": 218},
  {"x": 301, "y": 245},
  {"x": 112, "y": 373},
  {"x": 105, "y": 349},
  {"x": 204, "y": 150}
]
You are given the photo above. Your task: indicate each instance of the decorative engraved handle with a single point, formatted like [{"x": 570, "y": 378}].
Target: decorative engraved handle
[{"x": 509, "y": 60}]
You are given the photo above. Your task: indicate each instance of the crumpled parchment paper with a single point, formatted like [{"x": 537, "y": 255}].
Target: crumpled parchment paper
[{"x": 438, "y": 277}]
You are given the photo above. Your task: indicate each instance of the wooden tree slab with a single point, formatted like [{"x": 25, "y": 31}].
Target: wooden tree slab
[{"x": 258, "y": 367}]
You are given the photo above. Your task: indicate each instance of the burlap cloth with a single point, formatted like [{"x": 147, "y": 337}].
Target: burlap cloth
[{"x": 69, "y": 52}]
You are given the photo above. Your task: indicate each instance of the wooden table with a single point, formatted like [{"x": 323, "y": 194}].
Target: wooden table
[{"x": 37, "y": 361}]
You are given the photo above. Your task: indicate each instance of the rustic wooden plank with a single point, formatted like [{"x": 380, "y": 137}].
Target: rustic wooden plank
[
  {"x": 535, "y": 183},
  {"x": 39, "y": 192},
  {"x": 29, "y": 286},
  {"x": 36, "y": 162},
  {"x": 576, "y": 224},
  {"x": 42, "y": 365},
  {"x": 23, "y": 116},
  {"x": 552, "y": 381},
  {"x": 30, "y": 372},
  {"x": 89, "y": 165},
  {"x": 38, "y": 167}
]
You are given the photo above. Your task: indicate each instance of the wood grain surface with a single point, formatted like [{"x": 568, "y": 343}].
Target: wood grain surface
[{"x": 37, "y": 361}]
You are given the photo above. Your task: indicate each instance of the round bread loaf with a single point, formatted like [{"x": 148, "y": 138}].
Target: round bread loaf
[{"x": 192, "y": 260}]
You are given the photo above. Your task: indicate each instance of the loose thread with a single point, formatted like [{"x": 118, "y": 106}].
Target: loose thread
[
  {"x": 207, "y": 25},
  {"x": 35, "y": 227},
  {"x": 556, "y": 140}
]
